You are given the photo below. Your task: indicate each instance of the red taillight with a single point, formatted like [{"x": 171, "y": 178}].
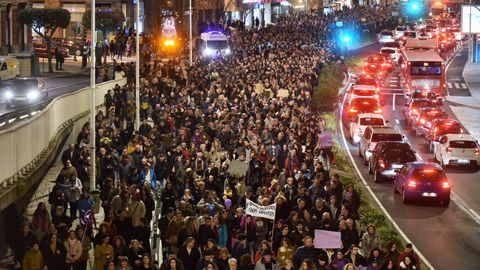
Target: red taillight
[
  {"x": 449, "y": 150},
  {"x": 461, "y": 130},
  {"x": 378, "y": 110},
  {"x": 412, "y": 184},
  {"x": 445, "y": 184},
  {"x": 477, "y": 151},
  {"x": 381, "y": 163},
  {"x": 422, "y": 121},
  {"x": 352, "y": 110}
]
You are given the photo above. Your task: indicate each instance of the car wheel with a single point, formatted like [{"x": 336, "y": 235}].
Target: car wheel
[
  {"x": 377, "y": 177},
  {"x": 442, "y": 163},
  {"x": 405, "y": 198},
  {"x": 446, "y": 202}
]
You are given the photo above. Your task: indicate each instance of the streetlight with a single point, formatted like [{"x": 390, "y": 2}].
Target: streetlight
[
  {"x": 137, "y": 69},
  {"x": 190, "y": 34},
  {"x": 93, "y": 92}
]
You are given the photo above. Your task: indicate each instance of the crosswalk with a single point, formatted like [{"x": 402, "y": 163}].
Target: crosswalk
[{"x": 451, "y": 85}]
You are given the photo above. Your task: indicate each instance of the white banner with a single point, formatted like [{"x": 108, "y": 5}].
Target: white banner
[
  {"x": 250, "y": 1},
  {"x": 257, "y": 210}
]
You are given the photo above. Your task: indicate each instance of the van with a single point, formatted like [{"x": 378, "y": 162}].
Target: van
[
  {"x": 9, "y": 68},
  {"x": 214, "y": 43}
]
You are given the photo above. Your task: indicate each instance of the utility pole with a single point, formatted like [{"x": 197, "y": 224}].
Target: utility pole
[
  {"x": 137, "y": 69},
  {"x": 93, "y": 132},
  {"x": 190, "y": 31}
]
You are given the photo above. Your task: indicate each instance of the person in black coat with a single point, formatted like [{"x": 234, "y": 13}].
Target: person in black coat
[
  {"x": 54, "y": 254},
  {"x": 241, "y": 247},
  {"x": 189, "y": 254},
  {"x": 70, "y": 154},
  {"x": 307, "y": 251}
]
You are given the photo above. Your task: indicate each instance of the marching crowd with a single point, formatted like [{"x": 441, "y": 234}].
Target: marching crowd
[{"x": 204, "y": 148}]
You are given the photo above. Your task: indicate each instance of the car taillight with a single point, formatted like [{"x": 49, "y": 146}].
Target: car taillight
[
  {"x": 352, "y": 110},
  {"x": 422, "y": 121},
  {"x": 445, "y": 184},
  {"x": 477, "y": 151},
  {"x": 381, "y": 163},
  {"x": 412, "y": 184},
  {"x": 378, "y": 110},
  {"x": 461, "y": 130},
  {"x": 449, "y": 150}
]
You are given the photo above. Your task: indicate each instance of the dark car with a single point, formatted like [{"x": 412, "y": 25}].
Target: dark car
[
  {"x": 439, "y": 128},
  {"x": 414, "y": 107},
  {"x": 422, "y": 180},
  {"x": 24, "y": 91},
  {"x": 426, "y": 117},
  {"x": 388, "y": 156},
  {"x": 416, "y": 94}
]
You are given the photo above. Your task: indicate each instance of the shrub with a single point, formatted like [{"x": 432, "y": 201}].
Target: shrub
[{"x": 325, "y": 97}]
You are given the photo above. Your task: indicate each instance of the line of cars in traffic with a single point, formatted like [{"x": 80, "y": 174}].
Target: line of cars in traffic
[{"x": 386, "y": 151}]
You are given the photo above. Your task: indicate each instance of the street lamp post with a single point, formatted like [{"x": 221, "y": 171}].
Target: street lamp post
[
  {"x": 190, "y": 11},
  {"x": 470, "y": 55},
  {"x": 93, "y": 92},
  {"x": 137, "y": 70}
]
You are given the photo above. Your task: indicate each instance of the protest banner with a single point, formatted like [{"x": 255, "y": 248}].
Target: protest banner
[
  {"x": 327, "y": 239},
  {"x": 264, "y": 211}
]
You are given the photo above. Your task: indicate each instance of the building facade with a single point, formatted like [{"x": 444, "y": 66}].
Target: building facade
[{"x": 14, "y": 37}]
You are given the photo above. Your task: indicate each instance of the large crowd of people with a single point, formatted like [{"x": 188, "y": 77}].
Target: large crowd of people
[{"x": 240, "y": 129}]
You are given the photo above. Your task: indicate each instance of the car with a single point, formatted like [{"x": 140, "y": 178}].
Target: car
[
  {"x": 399, "y": 30},
  {"x": 360, "y": 123},
  {"x": 423, "y": 94},
  {"x": 380, "y": 59},
  {"x": 9, "y": 68},
  {"x": 446, "y": 41},
  {"x": 414, "y": 107},
  {"x": 367, "y": 80},
  {"x": 362, "y": 91},
  {"x": 388, "y": 156},
  {"x": 374, "y": 70},
  {"x": 391, "y": 52},
  {"x": 457, "y": 150},
  {"x": 431, "y": 30},
  {"x": 362, "y": 105},
  {"x": 385, "y": 36},
  {"x": 457, "y": 33},
  {"x": 375, "y": 134},
  {"x": 422, "y": 180},
  {"x": 439, "y": 128},
  {"x": 25, "y": 91},
  {"x": 409, "y": 34},
  {"x": 425, "y": 119}
]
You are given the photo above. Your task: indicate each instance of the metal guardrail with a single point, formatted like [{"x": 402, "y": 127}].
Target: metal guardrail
[{"x": 11, "y": 118}]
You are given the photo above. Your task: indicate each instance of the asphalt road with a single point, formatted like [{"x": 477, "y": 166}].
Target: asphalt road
[{"x": 448, "y": 237}]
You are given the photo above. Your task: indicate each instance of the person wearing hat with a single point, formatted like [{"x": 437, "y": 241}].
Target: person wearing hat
[
  {"x": 266, "y": 262},
  {"x": 124, "y": 264}
]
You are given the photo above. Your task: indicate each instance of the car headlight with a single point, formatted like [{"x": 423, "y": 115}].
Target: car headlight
[
  {"x": 33, "y": 95},
  {"x": 8, "y": 95},
  {"x": 208, "y": 51},
  {"x": 227, "y": 51}
]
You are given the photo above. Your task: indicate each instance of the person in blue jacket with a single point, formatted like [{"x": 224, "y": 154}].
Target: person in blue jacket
[{"x": 148, "y": 174}]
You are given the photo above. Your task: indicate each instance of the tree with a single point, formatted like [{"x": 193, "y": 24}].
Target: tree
[
  {"x": 48, "y": 19},
  {"x": 106, "y": 21}
]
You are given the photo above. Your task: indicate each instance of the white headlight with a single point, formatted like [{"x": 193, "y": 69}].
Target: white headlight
[
  {"x": 33, "y": 95},
  {"x": 227, "y": 51},
  {"x": 8, "y": 94},
  {"x": 208, "y": 51}
]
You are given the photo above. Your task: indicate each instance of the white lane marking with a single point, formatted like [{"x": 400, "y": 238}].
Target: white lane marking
[
  {"x": 463, "y": 85},
  {"x": 450, "y": 85},
  {"x": 389, "y": 217},
  {"x": 393, "y": 102},
  {"x": 457, "y": 85}
]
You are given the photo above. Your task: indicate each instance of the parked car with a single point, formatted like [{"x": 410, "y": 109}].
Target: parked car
[{"x": 9, "y": 68}]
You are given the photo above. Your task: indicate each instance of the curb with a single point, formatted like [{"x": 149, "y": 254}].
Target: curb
[{"x": 457, "y": 104}]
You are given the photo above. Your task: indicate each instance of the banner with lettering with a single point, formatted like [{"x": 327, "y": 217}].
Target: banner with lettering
[{"x": 256, "y": 210}]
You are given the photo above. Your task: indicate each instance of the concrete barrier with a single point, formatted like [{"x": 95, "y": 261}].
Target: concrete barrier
[{"x": 29, "y": 147}]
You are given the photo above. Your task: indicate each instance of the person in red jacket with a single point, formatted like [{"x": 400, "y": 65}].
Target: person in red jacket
[{"x": 409, "y": 252}]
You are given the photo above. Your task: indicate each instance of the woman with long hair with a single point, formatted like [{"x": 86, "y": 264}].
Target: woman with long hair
[
  {"x": 285, "y": 252},
  {"x": 146, "y": 263},
  {"x": 246, "y": 262},
  {"x": 189, "y": 254},
  {"x": 308, "y": 265},
  {"x": 119, "y": 248},
  {"x": 41, "y": 220}
]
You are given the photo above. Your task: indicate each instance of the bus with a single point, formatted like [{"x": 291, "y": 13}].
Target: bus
[
  {"x": 422, "y": 70},
  {"x": 421, "y": 44}
]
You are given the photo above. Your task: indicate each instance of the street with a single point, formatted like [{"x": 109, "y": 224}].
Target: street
[{"x": 434, "y": 230}]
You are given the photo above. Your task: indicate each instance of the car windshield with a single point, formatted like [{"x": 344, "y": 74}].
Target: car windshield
[
  {"x": 365, "y": 81},
  {"x": 424, "y": 103},
  {"x": 400, "y": 154},
  {"x": 400, "y": 28},
  {"x": 364, "y": 92},
  {"x": 463, "y": 144},
  {"x": 369, "y": 121},
  {"x": 386, "y": 33},
  {"x": 392, "y": 44},
  {"x": 450, "y": 129},
  {"x": 429, "y": 175},
  {"x": 217, "y": 44},
  {"x": 430, "y": 115},
  {"x": 380, "y": 137},
  {"x": 410, "y": 34},
  {"x": 21, "y": 84},
  {"x": 389, "y": 51}
]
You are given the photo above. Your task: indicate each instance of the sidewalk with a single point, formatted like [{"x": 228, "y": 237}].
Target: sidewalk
[
  {"x": 467, "y": 109},
  {"x": 74, "y": 67}
]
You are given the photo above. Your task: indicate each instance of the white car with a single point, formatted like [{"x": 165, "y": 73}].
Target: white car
[
  {"x": 457, "y": 32},
  {"x": 375, "y": 134},
  {"x": 361, "y": 122},
  {"x": 457, "y": 150},
  {"x": 385, "y": 36},
  {"x": 392, "y": 51},
  {"x": 362, "y": 91},
  {"x": 399, "y": 31}
]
